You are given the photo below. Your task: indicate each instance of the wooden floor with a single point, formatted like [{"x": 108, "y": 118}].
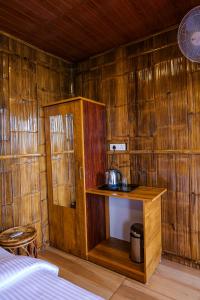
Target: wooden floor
[{"x": 170, "y": 281}]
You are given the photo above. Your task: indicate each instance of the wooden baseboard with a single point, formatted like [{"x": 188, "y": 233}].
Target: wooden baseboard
[{"x": 181, "y": 260}]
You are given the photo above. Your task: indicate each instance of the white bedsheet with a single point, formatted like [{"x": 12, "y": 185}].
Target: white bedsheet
[
  {"x": 4, "y": 253},
  {"x": 26, "y": 278}
]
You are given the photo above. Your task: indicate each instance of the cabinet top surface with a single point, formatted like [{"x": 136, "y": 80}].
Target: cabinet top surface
[
  {"x": 142, "y": 193},
  {"x": 73, "y": 99}
]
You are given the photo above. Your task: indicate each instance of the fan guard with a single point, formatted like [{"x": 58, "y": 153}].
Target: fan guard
[{"x": 189, "y": 35}]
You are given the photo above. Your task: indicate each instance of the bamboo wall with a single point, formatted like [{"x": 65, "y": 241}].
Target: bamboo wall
[
  {"x": 29, "y": 78},
  {"x": 152, "y": 95}
]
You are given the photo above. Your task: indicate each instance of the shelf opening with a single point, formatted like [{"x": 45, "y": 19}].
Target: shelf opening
[{"x": 114, "y": 253}]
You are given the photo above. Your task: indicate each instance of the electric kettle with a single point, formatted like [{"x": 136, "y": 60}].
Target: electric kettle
[{"x": 113, "y": 178}]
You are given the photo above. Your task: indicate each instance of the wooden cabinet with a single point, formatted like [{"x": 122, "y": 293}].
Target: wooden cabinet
[
  {"x": 115, "y": 253},
  {"x": 78, "y": 210},
  {"x": 76, "y": 157}
]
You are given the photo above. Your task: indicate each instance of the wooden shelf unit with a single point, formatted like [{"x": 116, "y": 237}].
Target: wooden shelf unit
[
  {"x": 85, "y": 230},
  {"x": 113, "y": 253}
]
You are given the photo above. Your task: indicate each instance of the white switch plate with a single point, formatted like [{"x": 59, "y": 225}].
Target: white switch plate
[{"x": 118, "y": 147}]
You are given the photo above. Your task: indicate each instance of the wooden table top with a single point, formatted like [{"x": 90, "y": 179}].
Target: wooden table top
[
  {"x": 141, "y": 193},
  {"x": 28, "y": 234}
]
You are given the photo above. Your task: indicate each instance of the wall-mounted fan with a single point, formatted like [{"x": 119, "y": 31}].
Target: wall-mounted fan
[{"x": 189, "y": 35}]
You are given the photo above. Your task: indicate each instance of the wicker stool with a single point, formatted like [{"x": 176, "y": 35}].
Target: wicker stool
[{"x": 20, "y": 240}]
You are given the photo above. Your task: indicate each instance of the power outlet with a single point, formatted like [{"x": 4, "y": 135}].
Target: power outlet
[{"x": 118, "y": 147}]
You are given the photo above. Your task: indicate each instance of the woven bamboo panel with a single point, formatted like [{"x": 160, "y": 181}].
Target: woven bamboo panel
[
  {"x": 152, "y": 95},
  {"x": 28, "y": 79}
]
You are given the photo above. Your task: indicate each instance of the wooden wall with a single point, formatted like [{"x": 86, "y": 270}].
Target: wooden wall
[
  {"x": 29, "y": 78},
  {"x": 152, "y": 95}
]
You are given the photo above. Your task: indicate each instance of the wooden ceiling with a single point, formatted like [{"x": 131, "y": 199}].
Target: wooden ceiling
[{"x": 76, "y": 29}]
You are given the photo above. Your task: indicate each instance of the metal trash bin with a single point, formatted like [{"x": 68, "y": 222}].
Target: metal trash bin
[{"x": 137, "y": 243}]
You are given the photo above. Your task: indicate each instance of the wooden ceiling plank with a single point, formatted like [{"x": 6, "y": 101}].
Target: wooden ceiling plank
[{"x": 77, "y": 29}]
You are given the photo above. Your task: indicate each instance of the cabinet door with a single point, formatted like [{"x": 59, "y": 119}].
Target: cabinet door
[{"x": 64, "y": 144}]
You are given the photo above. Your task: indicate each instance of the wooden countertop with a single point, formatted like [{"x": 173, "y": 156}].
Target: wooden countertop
[{"x": 141, "y": 193}]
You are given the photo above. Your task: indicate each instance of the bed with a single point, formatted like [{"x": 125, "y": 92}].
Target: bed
[{"x": 27, "y": 278}]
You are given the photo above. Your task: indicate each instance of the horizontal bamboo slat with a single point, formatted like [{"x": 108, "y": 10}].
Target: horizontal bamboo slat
[
  {"x": 3, "y": 157},
  {"x": 175, "y": 151}
]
